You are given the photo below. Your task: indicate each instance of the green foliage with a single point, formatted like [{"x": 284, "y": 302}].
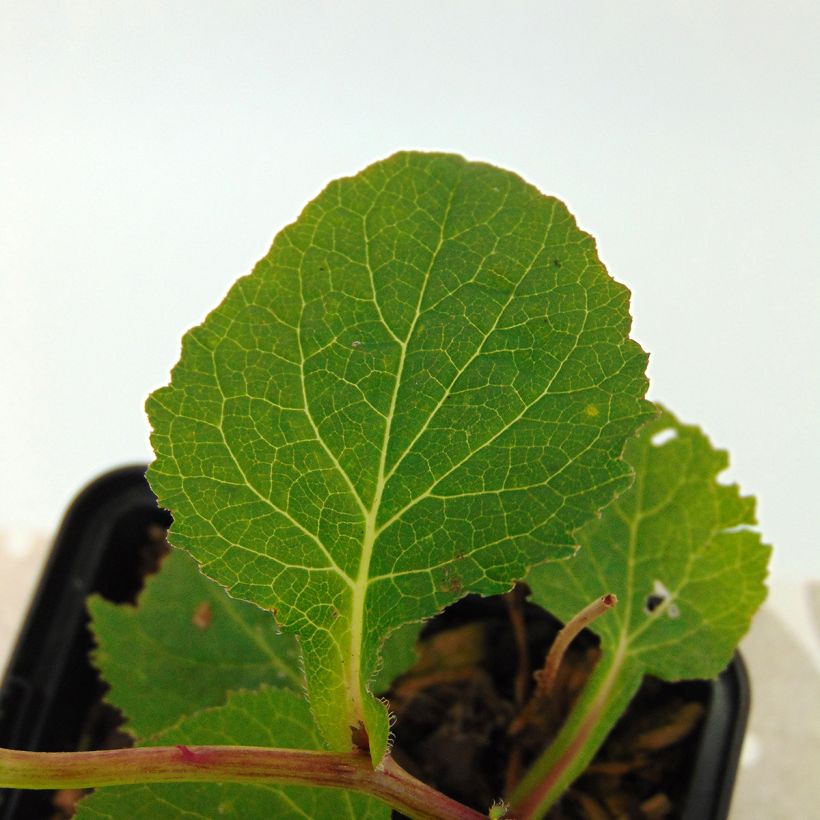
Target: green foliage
[
  {"x": 184, "y": 647},
  {"x": 680, "y": 535},
  {"x": 421, "y": 391},
  {"x": 268, "y": 717},
  {"x": 688, "y": 572},
  {"x": 398, "y": 655}
]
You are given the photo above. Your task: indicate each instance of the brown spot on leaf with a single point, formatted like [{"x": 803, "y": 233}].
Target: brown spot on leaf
[
  {"x": 202, "y": 616},
  {"x": 451, "y": 582}
]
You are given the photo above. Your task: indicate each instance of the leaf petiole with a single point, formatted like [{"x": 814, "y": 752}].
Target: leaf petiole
[
  {"x": 546, "y": 677},
  {"x": 604, "y": 697},
  {"x": 351, "y": 771}
]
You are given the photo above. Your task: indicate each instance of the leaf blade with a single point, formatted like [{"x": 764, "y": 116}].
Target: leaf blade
[
  {"x": 421, "y": 391},
  {"x": 185, "y": 628},
  {"x": 678, "y": 531},
  {"x": 688, "y": 572}
]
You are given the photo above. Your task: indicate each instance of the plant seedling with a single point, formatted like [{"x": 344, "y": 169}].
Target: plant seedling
[{"x": 425, "y": 389}]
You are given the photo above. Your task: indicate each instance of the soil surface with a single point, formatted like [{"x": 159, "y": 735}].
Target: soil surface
[{"x": 458, "y": 727}]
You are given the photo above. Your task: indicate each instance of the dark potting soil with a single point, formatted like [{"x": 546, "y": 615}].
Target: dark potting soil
[{"x": 455, "y": 709}]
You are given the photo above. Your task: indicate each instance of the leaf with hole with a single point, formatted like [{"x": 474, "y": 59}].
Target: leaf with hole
[
  {"x": 679, "y": 552},
  {"x": 421, "y": 391}
]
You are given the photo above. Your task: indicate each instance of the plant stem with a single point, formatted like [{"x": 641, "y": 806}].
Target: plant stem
[
  {"x": 236, "y": 764},
  {"x": 546, "y": 677},
  {"x": 603, "y": 699},
  {"x": 514, "y": 601}
]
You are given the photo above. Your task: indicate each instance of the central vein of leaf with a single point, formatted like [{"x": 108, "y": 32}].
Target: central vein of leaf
[
  {"x": 360, "y": 586},
  {"x": 356, "y": 686},
  {"x": 362, "y": 580}
]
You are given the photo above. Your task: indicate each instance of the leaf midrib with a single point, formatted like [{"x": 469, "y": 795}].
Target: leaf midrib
[
  {"x": 628, "y": 636},
  {"x": 362, "y": 581}
]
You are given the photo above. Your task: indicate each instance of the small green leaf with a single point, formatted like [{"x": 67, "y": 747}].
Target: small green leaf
[
  {"x": 184, "y": 646},
  {"x": 676, "y": 550},
  {"x": 421, "y": 391},
  {"x": 687, "y": 570},
  {"x": 269, "y": 717}
]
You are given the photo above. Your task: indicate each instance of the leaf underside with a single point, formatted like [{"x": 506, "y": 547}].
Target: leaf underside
[
  {"x": 688, "y": 573},
  {"x": 268, "y": 717},
  {"x": 190, "y": 642},
  {"x": 421, "y": 391},
  {"x": 677, "y": 550}
]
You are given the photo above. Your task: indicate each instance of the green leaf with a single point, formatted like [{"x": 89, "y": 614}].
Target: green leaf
[
  {"x": 421, "y": 391},
  {"x": 190, "y": 642},
  {"x": 398, "y": 655},
  {"x": 688, "y": 572},
  {"x": 678, "y": 529},
  {"x": 269, "y": 717}
]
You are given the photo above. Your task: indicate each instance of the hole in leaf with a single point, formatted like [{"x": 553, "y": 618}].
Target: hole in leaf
[
  {"x": 653, "y": 602},
  {"x": 659, "y": 594},
  {"x": 663, "y": 436}
]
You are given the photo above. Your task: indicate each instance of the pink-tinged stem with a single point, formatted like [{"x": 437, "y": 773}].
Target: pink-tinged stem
[
  {"x": 546, "y": 677},
  {"x": 603, "y": 699},
  {"x": 236, "y": 764}
]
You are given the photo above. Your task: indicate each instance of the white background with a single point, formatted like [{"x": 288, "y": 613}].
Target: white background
[{"x": 150, "y": 151}]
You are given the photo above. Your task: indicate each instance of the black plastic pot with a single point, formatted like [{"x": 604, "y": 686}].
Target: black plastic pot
[{"x": 50, "y": 691}]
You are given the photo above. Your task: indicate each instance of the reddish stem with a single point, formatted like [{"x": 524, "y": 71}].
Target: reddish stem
[
  {"x": 546, "y": 677},
  {"x": 514, "y": 600},
  {"x": 236, "y": 764}
]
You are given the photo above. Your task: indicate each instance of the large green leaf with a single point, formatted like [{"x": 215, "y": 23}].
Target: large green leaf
[
  {"x": 421, "y": 391},
  {"x": 688, "y": 571},
  {"x": 269, "y": 717},
  {"x": 190, "y": 642}
]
